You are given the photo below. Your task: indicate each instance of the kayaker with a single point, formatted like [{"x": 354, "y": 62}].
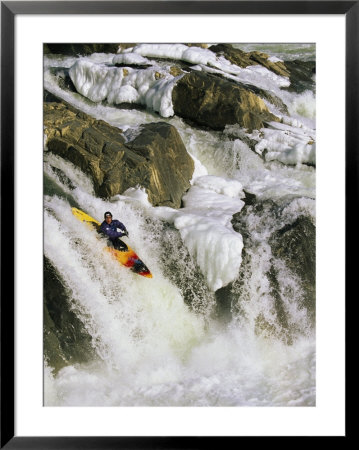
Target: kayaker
[{"x": 109, "y": 228}]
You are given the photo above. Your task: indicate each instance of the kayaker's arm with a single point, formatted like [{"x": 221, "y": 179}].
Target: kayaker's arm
[{"x": 122, "y": 227}]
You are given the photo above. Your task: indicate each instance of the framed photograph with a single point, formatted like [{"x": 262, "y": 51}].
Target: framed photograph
[{"x": 178, "y": 175}]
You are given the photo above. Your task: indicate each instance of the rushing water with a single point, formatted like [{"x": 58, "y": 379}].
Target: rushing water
[{"x": 207, "y": 330}]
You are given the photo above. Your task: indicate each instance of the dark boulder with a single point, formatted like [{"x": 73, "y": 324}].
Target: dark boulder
[
  {"x": 65, "y": 338},
  {"x": 214, "y": 102},
  {"x": 249, "y": 199},
  {"x": 156, "y": 159},
  {"x": 245, "y": 59},
  {"x": 301, "y": 75},
  {"x": 170, "y": 167},
  {"x": 295, "y": 244},
  {"x": 293, "y": 247},
  {"x": 267, "y": 95}
]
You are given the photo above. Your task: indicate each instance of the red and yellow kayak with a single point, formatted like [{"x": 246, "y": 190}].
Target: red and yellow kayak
[{"x": 127, "y": 258}]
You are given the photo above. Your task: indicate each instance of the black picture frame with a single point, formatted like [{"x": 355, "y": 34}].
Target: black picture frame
[{"x": 8, "y": 12}]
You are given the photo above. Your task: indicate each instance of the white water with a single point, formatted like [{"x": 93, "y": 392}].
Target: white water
[{"x": 152, "y": 349}]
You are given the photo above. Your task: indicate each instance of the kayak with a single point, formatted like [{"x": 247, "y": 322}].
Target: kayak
[{"x": 127, "y": 258}]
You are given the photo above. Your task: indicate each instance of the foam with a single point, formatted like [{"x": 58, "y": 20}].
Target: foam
[{"x": 228, "y": 368}]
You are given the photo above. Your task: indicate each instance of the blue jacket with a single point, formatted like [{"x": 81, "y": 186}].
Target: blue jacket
[{"x": 111, "y": 229}]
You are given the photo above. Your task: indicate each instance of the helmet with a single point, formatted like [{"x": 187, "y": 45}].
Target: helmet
[{"x": 107, "y": 213}]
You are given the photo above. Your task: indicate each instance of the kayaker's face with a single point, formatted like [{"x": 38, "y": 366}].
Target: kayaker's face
[{"x": 108, "y": 219}]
